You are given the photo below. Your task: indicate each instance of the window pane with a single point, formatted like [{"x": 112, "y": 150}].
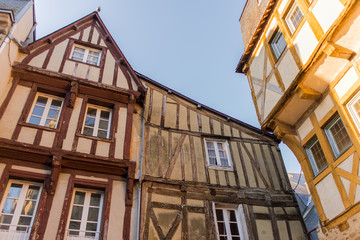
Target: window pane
[
  {"x": 56, "y": 104},
  {"x": 296, "y": 17},
  {"x": 76, "y": 213},
  {"x": 102, "y": 134},
  {"x": 95, "y": 199},
  {"x": 50, "y": 123},
  {"x": 53, "y": 114},
  {"x": 14, "y": 191},
  {"x": 340, "y": 136},
  {"x": 232, "y": 216},
  {"x": 88, "y": 131},
  {"x": 38, "y": 111},
  {"x": 278, "y": 44},
  {"x": 234, "y": 229},
  {"x": 25, "y": 221},
  {"x": 90, "y": 122},
  {"x": 10, "y": 205},
  {"x": 35, "y": 120},
  {"x": 219, "y": 215},
  {"x": 74, "y": 225},
  {"x": 91, "y": 112},
  {"x": 103, "y": 124},
  {"x": 79, "y": 198},
  {"x": 221, "y": 227},
  {"x": 41, "y": 101},
  {"x": 28, "y": 208},
  {"x": 93, "y": 214},
  {"x": 105, "y": 115},
  {"x": 6, "y": 219},
  {"x": 210, "y": 145},
  {"x": 212, "y": 161},
  {"x": 91, "y": 226},
  {"x": 33, "y": 192},
  {"x": 318, "y": 156}
]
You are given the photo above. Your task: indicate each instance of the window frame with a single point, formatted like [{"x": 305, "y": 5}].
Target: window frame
[
  {"x": 86, "y": 207},
  {"x": 274, "y": 49},
  {"x": 240, "y": 219},
  {"x": 97, "y": 120},
  {"x": 350, "y": 106},
  {"x": 314, "y": 140},
  {"x": 218, "y": 159},
  {"x": 46, "y": 110},
  {"x": 86, "y": 54},
  {"x": 20, "y": 204},
  {"x": 334, "y": 145},
  {"x": 289, "y": 23}
]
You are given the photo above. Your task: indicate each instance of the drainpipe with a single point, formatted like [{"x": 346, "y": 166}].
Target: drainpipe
[{"x": 141, "y": 154}]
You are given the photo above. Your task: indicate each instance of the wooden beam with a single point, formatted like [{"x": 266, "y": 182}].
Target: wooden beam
[
  {"x": 307, "y": 93},
  {"x": 334, "y": 50}
]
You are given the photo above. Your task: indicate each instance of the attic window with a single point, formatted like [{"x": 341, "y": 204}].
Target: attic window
[{"x": 86, "y": 55}]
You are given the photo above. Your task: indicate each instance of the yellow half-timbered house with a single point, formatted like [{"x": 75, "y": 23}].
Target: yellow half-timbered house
[{"x": 302, "y": 63}]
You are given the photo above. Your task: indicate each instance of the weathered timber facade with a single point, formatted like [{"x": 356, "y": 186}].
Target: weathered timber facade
[
  {"x": 184, "y": 191},
  {"x": 69, "y": 138},
  {"x": 301, "y": 59}
]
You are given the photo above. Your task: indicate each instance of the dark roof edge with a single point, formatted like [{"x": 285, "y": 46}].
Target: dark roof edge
[
  {"x": 255, "y": 38},
  {"x": 208, "y": 108}
]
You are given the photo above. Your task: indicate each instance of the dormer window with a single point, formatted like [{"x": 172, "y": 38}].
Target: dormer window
[{"x": 86, "y": 55}]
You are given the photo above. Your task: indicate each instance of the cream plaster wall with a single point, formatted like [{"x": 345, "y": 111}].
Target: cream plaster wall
[
  {"x": 95, "y": 36},
  {"x": 330, "y": 197},
  {"x": 288, "y": 69},
  {"x": 68, "y": 141},
  {"x": 81, "y": 70},
  {"x": 297, "y": 231},
  {"x": 94, "y": 73},
  {"x": 69, "y": 67},
  {"x": 39, "y": 59},
  {"x": 108, "y": 75},
  {"x": 305, "y": 42},
  {"x": 347, "y": 81},
  {"x": 56, "y": 208},
  {"x": 305, "y": 128},
  {"x": 325, "y": 106},
  {"x": 264, "y": 229},
  {"x": 86, "y": 33},
  {"x": 57, "y": 56},
  {"x": 120, "y": 134},
  {"x": 24, "y": 26},
  {"x": 271, "y": 99},
  {"x": 13, "y": 111},
  {"x": 121, "y": 80},
  {"x": 102, "y": 148},
  {"x": 2, "y": 167},
  {"x": 117, "y": 210},
  {"x": 47, "y": 139},
  {"x": 84, "y": 145},
  {"x": 326, "y": 11}
]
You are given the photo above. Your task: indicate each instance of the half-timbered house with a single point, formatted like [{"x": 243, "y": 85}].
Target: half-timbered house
[
  {"x": 209, "y": 176},
  {"x": 69, "y": 137}
]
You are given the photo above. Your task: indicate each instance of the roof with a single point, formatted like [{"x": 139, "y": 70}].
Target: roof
[
  {"x": 16, "y": 7},
  {"x": 207, "y": 108},
  {"x": 255, "y": 38}
]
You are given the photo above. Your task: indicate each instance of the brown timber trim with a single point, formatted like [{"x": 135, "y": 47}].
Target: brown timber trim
[
  {"x": 107, "y": 205},
  {"x": 175, "y": 155},
  {"x": 188, "y": 118},
  {"x": 177, "y": 115},
  {"x": 243, "y": 165},
  {"x": 193, "y": 159},
  {"x": 182, "y": 163},
  {"x": 276, "y": 168},
  {"x": 147, "y": 217},
  {"x": 206, "y": 167},
  {"x": 267, "y": 167},
  {"x": 185, "y": 219},
  {"x": 4, "y": 178},
  {"x": 288, "y": 230},
  {"x": 199, "y": 122},
  {"x": 274, "y": 223},
  {"x": 235, "y": 171},
  {"x": 116, "y": 69},
  {"x": 66, "y": 54},
  {"x": 48, "y": 56},
  {"x": 227, "y": 178},
  {"x": 25, "y": 112},
  {"x": 253, "y": 222},
  {"x": 211, "y": 125},
  {"x": 91, "y": 32},
  {"x": 38, "y": 137},
  {"x": 147, "y": 150},
  {"x": 102, "y": 64},
  {"x": 150, "y": 106},
  {"x": 128, "y": 130},
  {"x": 81, "y": 34},
  {"x": 163, "y": 111},
  {"x": 93, "y": 146},
  {"x": 156, "y": 225},
  {"x": 8, "y": 97},
  {"x": 160, "y": 156},
  {"x": 217, "y": 177}
]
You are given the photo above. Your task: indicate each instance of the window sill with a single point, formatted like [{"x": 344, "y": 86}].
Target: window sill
[
  {"x": 25, "y": 124},
  {"x": 110, "y": 140},
  {"x": 220, "y": 168},
  {"x": 91, "y": 65}
]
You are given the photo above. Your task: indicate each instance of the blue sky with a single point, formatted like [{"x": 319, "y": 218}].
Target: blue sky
[{"x": 192, "y": 47}]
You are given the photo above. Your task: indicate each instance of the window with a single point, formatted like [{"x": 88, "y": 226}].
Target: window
[
  {"x": 86, "y": 55},
  {"x": 85, "y": 215},
  {"x": 228, "y": 223},
  {"x": 294, "y": 17},
  {"x": 354, "y": 109},
  {"x": 218, "y": 153},
  {"x": 316, "y": 156},
  {"x": 97, "y": 121},
  {"x": 278, "y": 43},
  {"x": 45, "y": 110},
  {"x": 337, "y": 136},
  {"x": 18, "y": 209}
]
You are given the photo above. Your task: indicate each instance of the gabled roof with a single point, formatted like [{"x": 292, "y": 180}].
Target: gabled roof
[
  {"x": 229, "y": 118},
  {"x": 39, "y": 45},
  {"x": 17, "y": 8}
]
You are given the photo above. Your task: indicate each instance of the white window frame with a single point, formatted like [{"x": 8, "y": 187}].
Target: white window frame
[
  {"x": 86, "y": 54},
  {"x": 330, "y": 137},
  {"x": 275, "y": 47},
  {"x": 97, "y": 120},
  {"x": 46, "y": 109},
  {"x": 313, "y": 163},
  {"x": 350, "y": 106},
  {"x": 240, "y": 219},
  {"x": 288, "y": 19},
  {"x": 84, "y": 216},
  {"x": 12, "y": 233},
  {"x": 218, "y": 160}
]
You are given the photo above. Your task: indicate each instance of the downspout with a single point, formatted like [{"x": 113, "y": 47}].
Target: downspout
[{"x": 141, "y": 154}]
